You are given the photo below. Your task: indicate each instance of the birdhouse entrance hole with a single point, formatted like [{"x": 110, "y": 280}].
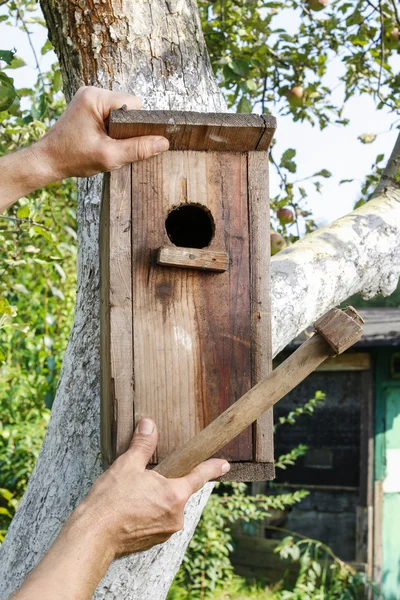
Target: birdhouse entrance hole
[{"x": 190, "y": 226}]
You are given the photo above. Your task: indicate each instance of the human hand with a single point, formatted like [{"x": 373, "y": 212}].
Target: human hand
[
  {"x": 78, "y": 144},
  {"x": 135, "y": 508}
]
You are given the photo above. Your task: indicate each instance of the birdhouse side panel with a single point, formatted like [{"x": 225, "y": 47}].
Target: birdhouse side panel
[{"x": 191, "y": 328}]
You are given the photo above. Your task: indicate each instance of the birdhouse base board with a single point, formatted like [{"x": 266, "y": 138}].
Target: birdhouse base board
[
  {"x": 249, "y": 471},
  {"x": 246, "y": 471}
]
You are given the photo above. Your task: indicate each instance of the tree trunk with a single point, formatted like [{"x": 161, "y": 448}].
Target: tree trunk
[{"x": 156, "y": 49}]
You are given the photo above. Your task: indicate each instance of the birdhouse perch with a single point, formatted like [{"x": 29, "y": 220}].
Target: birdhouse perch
[{"x": 185, "y": 307}]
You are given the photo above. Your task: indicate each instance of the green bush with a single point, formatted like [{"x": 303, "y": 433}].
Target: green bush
[{"x": 206, "y": 566}]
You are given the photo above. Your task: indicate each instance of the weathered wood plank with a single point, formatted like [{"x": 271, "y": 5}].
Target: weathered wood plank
[
  {"x": 193, "y": 258},
  {"x": 261, "y": 343},
  {"x": 106, "y": 391},
  {"x": 248, "y": 408},
  {"x": 117, "y": 356},
  {"x": 191, "y": 328},
  {"x": 196, "y": 131}
]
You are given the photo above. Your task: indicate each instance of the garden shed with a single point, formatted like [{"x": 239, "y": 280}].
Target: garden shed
[{"x": 352, "y": 467}]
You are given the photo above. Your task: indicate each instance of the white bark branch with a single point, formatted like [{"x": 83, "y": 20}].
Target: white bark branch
[{"x": 357, "y": 253}]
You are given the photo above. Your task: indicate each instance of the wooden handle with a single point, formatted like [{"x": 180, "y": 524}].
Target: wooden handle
[
  {"x": 247, "y": 409},
  {"x": 337, "y": 331}
]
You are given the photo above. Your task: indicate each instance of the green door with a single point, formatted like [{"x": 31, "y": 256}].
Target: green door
[
  {"x": 388, "y": 471},
  {"x": 391, "y": 499}
]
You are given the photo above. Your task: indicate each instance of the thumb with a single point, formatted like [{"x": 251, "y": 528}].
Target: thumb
[
  {"x": 139, "y": 148},
  {"x": 143, "y": 444}
]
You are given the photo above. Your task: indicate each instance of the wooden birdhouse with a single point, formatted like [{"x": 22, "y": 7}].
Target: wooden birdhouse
[{"x": 185, "y": 310}]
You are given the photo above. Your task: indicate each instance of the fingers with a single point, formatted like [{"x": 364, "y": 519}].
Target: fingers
[
  {"x": 143, "y": 443},
  {"x": 102, "y": 101},
  {"x": 133, "y": 149},
  {"x": 115, "y": 100},
  {"x": 206, "y": 471}
]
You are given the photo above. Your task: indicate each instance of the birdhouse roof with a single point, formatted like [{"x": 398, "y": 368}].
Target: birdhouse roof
[{"x": 218, "y": 132}]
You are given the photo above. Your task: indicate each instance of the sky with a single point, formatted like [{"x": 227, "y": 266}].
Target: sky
[{"x": 335, "y": 148}]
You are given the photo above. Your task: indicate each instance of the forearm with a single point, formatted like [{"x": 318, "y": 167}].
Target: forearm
[
  {"x": 74, "y": 565},
  {"x": 22, "y": 173}
]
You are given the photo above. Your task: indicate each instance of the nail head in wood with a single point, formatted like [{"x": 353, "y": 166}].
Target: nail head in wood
[
  {"x": 193, "y": 258},
  {"x": 340, "y": 328}
]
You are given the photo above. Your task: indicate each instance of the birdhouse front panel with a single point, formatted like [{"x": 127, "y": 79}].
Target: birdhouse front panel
[{"x": 185, "y": 272}]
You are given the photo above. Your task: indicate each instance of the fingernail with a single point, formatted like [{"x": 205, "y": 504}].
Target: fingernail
[
  {"x": 146, "y": 426},
  {"x": 225, "y": 468},
  {"x": 160, "y": 145}
]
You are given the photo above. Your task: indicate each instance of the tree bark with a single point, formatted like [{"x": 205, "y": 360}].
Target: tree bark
[{"x": 156, "y": 50}]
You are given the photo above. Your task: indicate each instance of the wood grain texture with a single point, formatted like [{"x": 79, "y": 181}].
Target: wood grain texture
[
  {"x": 117, "y": 356},
  {"x": 247, "y": 409},
  {"x": 193, "y": 258},
  {"x": 224, "y": 132},
  {"x": 350, "y": 361},
  {"x": 107, "y": 426},
  {"x": 335, "y": 323},
  {"x": 261, "y": 343},
  {"x": 191, "y": 329}
]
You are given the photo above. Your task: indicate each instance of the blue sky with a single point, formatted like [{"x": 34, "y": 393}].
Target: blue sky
[{"x": 335, "y": 148}]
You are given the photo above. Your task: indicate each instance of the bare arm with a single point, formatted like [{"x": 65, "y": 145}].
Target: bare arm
[
  {"x": 129, "y": 509},
  {"x": 76, "y": 146}
]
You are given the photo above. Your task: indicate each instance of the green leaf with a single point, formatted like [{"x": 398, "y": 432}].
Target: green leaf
[
  {"x": 47, "y": 47},
  {"x": 16, "y": 63},
  {"x": 287, "y": 162},
  {"x": 23, "y": 212},
  {"x": 7, "y": 91},
  {"x": 323, "y": 173},
  {"x": 42, "y": 232},
  {"x": 7, "y": 56},
  {"x": 251, "y": 85},
  {"x": 57, "y": 81},
  {"x": 240, "y": 67},
  {"x": 6, "y": 494},
  {"x": 5, "y": 307},
  {"x": 244, "y": 105}
]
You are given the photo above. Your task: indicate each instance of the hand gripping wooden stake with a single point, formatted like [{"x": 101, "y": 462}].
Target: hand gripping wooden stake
[{"x": 334, "y": 333}]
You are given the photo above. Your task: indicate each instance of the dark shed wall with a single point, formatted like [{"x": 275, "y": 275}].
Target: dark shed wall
[{"x": 332, "y": 433}]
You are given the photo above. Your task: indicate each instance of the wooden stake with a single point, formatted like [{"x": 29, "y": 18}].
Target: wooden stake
[{"x": 264, "y": 395}]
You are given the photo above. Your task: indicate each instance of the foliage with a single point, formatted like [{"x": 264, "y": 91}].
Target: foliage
[
  {"x": 321, "y": 574},
  {"x": 308, "y": 408},
  {"x": 8, "y": 505},
  {"x": 318, "y": 575},
  {"x": 37, "y": 283},
  {"x": 262, "y": 64},
  {"x": 206, "y": 565}
]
